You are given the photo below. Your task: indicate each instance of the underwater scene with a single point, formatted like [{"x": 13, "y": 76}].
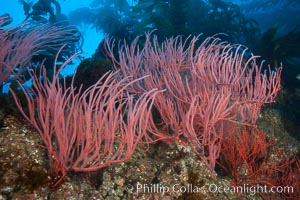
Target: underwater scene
[{"x": 149, "y": 99}]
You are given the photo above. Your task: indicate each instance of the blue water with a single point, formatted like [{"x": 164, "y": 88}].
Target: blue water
[{"x": 91, "y": 37}]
